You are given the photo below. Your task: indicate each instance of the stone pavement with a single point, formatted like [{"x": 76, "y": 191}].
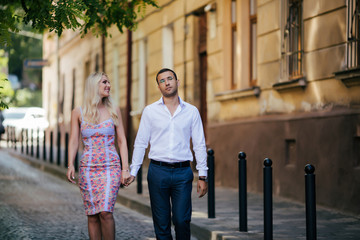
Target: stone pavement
[
  {"x": 288, "y": 217},
  {"x": 37, "y": 205}
]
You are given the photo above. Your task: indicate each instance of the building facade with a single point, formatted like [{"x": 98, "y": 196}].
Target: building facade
[{"x": 275, "y": 79}]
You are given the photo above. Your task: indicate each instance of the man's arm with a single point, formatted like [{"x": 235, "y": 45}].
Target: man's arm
[
  {"x": 141, "y": 143},
  {"x": 199, "y": 148}
]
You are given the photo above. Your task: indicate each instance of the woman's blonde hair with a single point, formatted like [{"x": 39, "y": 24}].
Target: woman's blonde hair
[{"x": 92, "y": 100}]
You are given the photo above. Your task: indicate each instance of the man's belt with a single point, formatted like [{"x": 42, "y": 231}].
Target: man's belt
[{"x": 171, "y": 165}]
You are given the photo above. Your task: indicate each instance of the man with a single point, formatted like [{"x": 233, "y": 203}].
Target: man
[{"x": 168, "y": 125}]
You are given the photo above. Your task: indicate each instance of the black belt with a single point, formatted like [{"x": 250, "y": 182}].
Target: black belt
[{"x": 172, "y": 165}]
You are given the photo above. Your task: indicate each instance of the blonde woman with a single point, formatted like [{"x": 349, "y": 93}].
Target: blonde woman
[{"x": 100, "y": 171}]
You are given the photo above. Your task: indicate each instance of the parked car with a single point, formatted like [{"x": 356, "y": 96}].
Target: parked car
[{"x": 25, "y": 118}]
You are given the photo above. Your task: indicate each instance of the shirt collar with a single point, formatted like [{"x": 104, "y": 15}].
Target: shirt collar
[{"x": 161, "y": 101}]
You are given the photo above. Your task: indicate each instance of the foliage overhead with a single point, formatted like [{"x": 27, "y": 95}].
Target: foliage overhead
[{"x": 82, "y": 15}]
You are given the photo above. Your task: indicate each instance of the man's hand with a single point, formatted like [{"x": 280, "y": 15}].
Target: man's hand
[
  {"x": 201, "y": 188},
  {"x": 129, "y": 180}
]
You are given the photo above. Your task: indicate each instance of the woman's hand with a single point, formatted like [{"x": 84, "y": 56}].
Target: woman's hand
[
  {"x": 124, "y": 177},
  {"x": 71, "y": 174}
]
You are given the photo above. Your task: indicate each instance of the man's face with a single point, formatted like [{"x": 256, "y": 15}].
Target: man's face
[{"x": 167, "y": 84}]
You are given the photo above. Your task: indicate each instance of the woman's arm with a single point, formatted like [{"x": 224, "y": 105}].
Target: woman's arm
[
  {"x": 121, "y": 141},
  {"x": 73, "y": 143}
]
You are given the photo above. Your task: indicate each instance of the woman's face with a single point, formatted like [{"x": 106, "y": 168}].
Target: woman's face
[{"x": 104, "y": 87}]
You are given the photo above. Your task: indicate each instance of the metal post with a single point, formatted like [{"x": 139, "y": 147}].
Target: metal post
[
  {"x": 51, "y": 157},
  {"x": 8, "y": 136},
  {"x": 58, "y": 148},
  {"x": 14, "y": 136},
  {"x": 211, "y": 184},
  {"x": 139, "y": 181},
  {"x": 32, "y": 142},
  {"x": 37, "y": 143},
  {"x": 66, "y": 149},
  {"x": 242, "y": 193},
  {"x": 44, "y": 146},
  {"x": 22, "y": 140},
  {"x": 310, "y": 202},
  {"x": 76, "y": 161},
  {"x": 268, "y": 201},
  {"x": 27, "y": 141}
]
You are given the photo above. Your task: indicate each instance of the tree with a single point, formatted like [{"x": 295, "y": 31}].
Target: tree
[
  {"x": 82, "y": 15},
  {"x": 6, "y": 92},
  {"x": 19, "y": 50},
  {"x": 57, "y": 15}
]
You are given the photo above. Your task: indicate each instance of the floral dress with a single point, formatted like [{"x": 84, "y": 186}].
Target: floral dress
[{"x": 100, "y": 171}]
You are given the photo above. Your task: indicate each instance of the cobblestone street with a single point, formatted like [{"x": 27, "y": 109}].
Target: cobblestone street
[{"x": 37, "y": 205}]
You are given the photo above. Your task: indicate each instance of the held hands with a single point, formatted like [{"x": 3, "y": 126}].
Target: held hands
[
  {"x": 129, "y": 180},
  {"x": 125, "y": 175}
]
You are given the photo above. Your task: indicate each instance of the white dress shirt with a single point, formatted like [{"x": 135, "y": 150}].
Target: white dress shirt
[{"x": 169, "y": 136}]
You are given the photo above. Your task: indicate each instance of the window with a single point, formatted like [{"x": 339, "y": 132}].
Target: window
[
  {"x": 292, "y": 47},
  {"x": 353, "y": 49},
  {"x": 234, "y": 59},
  {"x": 350, "y": 76},
  {"x": 253, "y": 43}
]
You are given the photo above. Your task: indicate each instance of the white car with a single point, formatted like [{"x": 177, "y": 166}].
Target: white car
[{"x": 25, "y": 118}]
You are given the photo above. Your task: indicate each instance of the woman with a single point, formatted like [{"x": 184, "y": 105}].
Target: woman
[{"x": 100, "y": 170}]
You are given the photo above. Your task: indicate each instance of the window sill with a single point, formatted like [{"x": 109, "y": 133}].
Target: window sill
[
  {"x": 290, "y": 85},
  {"x": 349, "y": 77},
  {"x": 235, "y": 94}
]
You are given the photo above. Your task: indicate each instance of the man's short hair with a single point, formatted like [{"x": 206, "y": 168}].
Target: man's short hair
[{"x": 165, "y": 70}]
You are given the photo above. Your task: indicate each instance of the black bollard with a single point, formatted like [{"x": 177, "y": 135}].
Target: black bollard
[
  {"x": 27, "y": 141},
  {"x": 32, "y": 142},
  {"x": 15, "y": 139},
  {"x": 242, "y": 193},
  {"x": 310, "y": 202},
  {"x": 58, "y": 141},
  {"x": 76, "y": 161},
  {"x": 44, "y": 146},
  {"x": 22, "y": 140},
  {"x": 211, "y": 184},
  {"x": 51, "y": 157},
  {"x": 139, "y": 181},
  {"x": 66, "y": 149},
  {"x": 37, "y": 143},
  {"x": 8, "y": 136},
  {"x": 268, "y": 201}
]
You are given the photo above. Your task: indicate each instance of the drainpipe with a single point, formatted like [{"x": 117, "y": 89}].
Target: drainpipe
[
  {"x": 128, "y": 90},
  {"x": 186, "y": 29}
]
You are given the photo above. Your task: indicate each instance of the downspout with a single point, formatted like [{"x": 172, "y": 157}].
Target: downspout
[
  {"x": 128, "y": 90},
  {"x": 186, "y": 29}
]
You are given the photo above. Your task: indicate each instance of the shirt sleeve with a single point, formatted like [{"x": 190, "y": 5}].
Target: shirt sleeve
[
  {"x": 141, "y": 143},
  {"x": 199, "y": 146}
]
